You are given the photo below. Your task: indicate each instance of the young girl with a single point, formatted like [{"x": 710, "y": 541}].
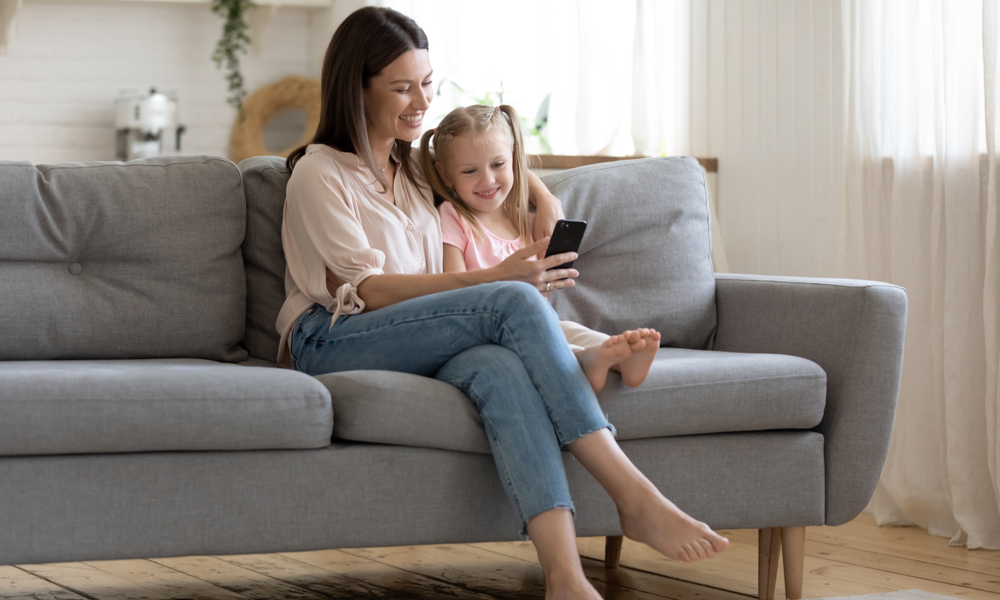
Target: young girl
[{"x": 478, "y": 173}]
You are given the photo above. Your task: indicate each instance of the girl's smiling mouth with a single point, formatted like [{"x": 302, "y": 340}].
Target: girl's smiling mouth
[{"x": 489, "y": 194}]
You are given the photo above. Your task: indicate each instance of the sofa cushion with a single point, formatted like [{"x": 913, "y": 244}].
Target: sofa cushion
[
  {"x": 646, "y": 259},
  {"x": 122, "y": 260},
  {"x": 387, "y": 407},
  {"x": 69, "y": 407},
  {"x": 264, "y": 178},
  {"x": 687, "y": 392}
]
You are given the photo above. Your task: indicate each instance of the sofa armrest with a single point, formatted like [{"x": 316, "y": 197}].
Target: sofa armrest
[{"x": 855, "y": 331}]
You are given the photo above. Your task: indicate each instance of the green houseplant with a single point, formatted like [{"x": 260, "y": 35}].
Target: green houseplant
[{"x": 234, "y": 41}]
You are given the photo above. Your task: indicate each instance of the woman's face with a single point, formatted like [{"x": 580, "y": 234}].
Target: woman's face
[{"x": 397, "y": 98}]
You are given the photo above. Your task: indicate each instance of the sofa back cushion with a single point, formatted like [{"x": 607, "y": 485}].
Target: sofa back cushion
[
  {"x": 264, "y": 178},
  {"x": 646, "y": 259},
  {"x": 122, "y": 260}
]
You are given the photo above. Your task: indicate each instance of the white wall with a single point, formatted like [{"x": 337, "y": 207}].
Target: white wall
[
  {"x": 767, "y": 81},
  {"x": 68, "y": 60}
]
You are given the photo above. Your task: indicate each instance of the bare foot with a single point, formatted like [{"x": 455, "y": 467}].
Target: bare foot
[
  {"x": 635, "y": 368},
  {"x": 598, "y": 360},
  {"x": 575, "y": 590},
  {"x": 658, "y": 523}
]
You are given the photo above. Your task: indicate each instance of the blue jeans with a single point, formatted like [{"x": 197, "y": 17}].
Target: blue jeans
[{"x": 501, "y": 344}]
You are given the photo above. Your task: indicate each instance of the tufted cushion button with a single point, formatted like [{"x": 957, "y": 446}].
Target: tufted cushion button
[{"x": 76, "y": 268}]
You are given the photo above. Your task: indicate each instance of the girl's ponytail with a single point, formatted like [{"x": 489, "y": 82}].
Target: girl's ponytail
[
  {"x": 516, "y": 205},
  {"x": 427, "y": 160}
]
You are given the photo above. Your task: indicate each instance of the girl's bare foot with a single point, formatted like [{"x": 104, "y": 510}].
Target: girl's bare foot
[
  {"x": 598, "y": 360},
  {"x": 658, "y": 523},
  {"x": 635, "y": 368}
]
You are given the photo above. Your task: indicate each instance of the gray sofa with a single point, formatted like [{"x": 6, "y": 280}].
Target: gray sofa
[{"x": 141, "y": 413}]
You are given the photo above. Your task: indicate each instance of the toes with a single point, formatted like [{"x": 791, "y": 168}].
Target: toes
[
  {"x": 696, "y": 551},
  {"x": 703, "y": 552}
]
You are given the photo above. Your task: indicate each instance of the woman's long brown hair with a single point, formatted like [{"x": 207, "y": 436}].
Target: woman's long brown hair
[{"x": 365, "y": 43}]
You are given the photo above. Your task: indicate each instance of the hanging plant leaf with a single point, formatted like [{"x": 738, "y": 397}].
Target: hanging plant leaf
[{"x": 234, "y": 41}]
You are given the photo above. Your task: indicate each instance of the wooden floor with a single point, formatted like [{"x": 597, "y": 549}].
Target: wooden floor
[{"x": 857, "y": 558}]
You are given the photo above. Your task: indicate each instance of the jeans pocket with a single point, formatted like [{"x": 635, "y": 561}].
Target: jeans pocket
[{"x": 311, "y": 314}]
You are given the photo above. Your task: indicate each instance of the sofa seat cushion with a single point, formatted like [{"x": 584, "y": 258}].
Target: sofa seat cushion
[
  {"x": 71, "y": 407},
  {"x": 687, "y": 392}
]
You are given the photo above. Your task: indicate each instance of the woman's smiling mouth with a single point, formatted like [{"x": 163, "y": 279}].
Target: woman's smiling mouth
[{"x": 412, "y": 120}]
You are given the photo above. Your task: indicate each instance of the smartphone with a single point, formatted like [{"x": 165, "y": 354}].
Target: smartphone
[{"x": 566, "y": 238}]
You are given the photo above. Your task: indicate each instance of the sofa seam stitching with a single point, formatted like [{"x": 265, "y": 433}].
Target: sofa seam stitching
[{"x": 730, "y": 381}]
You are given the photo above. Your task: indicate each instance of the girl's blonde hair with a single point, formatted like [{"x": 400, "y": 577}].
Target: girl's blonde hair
[{"x": 477, "y": 120}]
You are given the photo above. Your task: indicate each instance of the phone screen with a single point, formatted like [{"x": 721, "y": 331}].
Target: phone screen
[{"x": 566, "y": 238}]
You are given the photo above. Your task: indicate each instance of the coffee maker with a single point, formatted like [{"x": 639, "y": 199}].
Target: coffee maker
[{"x": 146, "y": 126}]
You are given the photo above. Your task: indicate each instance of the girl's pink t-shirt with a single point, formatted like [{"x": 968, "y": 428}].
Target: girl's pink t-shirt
[{"x": 479, "y": 253}]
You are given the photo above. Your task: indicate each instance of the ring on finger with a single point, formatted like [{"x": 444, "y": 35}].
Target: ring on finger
[{"x": 548, "y": 286}]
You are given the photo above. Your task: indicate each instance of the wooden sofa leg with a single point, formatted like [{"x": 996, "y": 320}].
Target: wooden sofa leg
[
  {"x": 768, "y": 549},
  {"x": 793, "y": 549},
  {"x": 613, "y": 551}
]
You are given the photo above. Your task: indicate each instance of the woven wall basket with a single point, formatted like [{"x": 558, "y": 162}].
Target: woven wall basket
[{"x": 294, "y": 91}]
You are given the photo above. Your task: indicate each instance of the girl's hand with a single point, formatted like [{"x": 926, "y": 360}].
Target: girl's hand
[
  {"x": 548, "y": 208},
  {"x": 518, "y": 267}
]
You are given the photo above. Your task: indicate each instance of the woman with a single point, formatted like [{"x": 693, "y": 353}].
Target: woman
[{"x": 366, "y": 290}]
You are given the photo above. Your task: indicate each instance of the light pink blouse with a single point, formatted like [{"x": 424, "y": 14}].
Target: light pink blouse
[{"x": 335, "y": 218}]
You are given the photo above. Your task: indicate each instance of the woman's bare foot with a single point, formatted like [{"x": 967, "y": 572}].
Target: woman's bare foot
[
  {"x": 635, "y": 368},
  {"x": 579, "y": 589},
  {"x": 658, "y": 523},
  {"x": 598, "y": 360},
  {"x": 554, "y": 537}
]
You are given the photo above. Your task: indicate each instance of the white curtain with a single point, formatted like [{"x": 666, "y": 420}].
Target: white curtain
[
  {"x": 922, "y": 211},
  {"x": 621, "y": 77}
]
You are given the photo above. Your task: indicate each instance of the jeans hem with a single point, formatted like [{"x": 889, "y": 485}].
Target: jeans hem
[
  {"x": 614, "y": 434},
  {"x": 524, "y": 528}
]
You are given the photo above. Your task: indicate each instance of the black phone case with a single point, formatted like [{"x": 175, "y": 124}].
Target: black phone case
[{"x": 566, "y": 238}]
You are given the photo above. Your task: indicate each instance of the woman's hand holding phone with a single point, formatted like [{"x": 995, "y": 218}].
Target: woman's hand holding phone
[{"x": 540, "y": 273}]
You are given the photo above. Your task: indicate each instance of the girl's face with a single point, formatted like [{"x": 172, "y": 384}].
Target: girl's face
[
  {"x": 397, "y": 98},
  {"x": 480, "y": 168}
]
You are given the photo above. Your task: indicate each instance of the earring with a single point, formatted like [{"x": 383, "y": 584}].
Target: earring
[{"x": 454, "y": 194}]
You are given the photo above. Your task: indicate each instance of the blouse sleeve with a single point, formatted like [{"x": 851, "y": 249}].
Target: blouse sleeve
[
  {"x": 454, "y": 229},
  {"x": 321, "y": 229}
]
